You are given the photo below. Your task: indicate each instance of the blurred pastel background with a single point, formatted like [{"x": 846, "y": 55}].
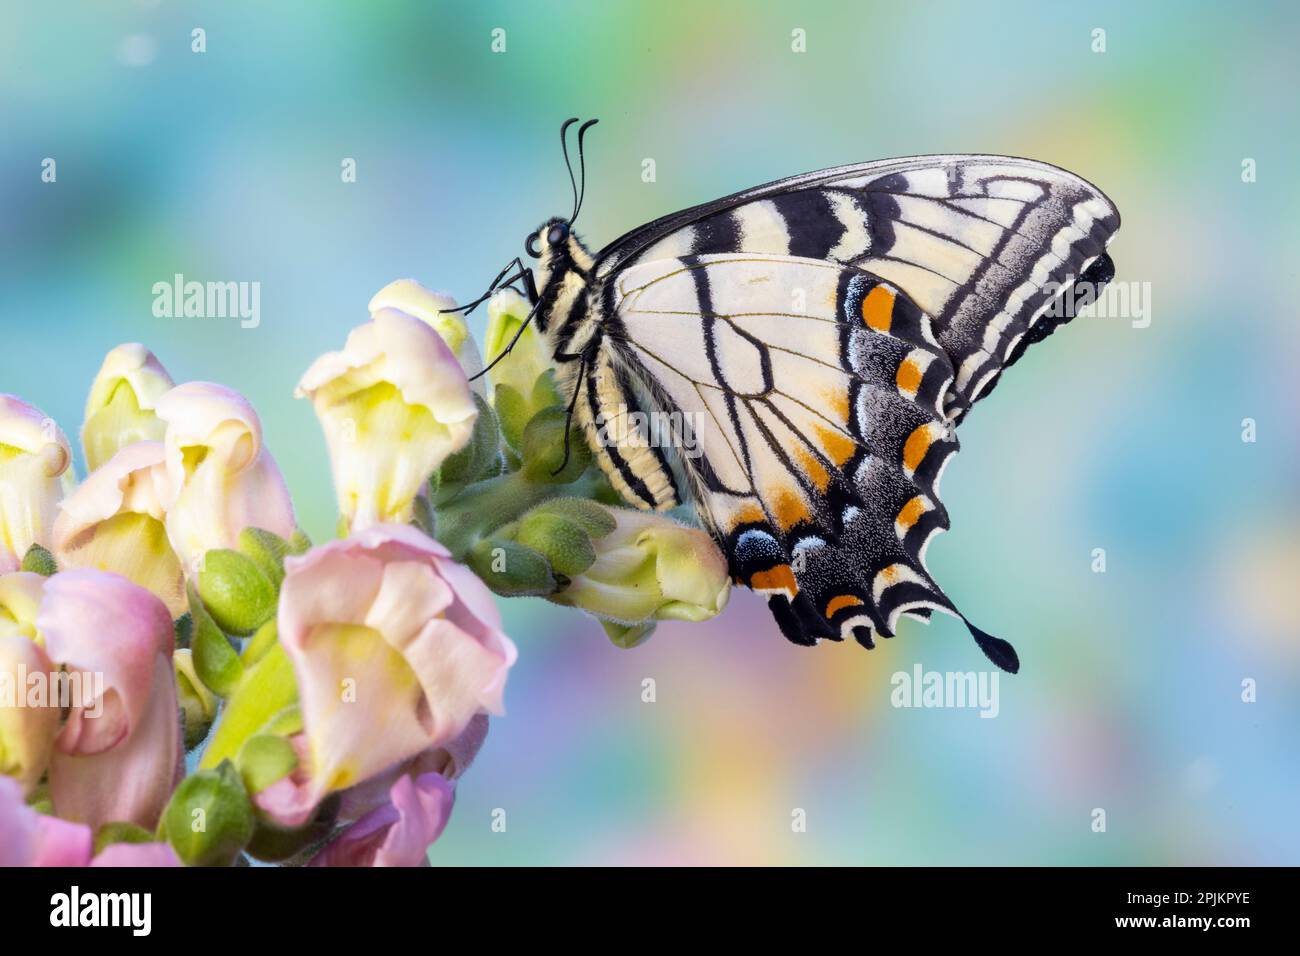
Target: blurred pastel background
[{"x": 226, "y": 166}]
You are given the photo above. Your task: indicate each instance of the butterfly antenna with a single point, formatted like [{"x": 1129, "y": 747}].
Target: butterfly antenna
[
  {"x": 564, "y": 146},
  {"x": 568, "y": 415},
  {"x": 582, "y": 169}
]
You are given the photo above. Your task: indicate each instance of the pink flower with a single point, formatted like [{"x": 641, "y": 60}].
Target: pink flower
[
  {"x": 396, "y": 648},
  {"x": 28, "y": 838},
  {"x": 394, "y": 405},
  {"x": 116, "y": 521},
  {"x": 118, "y": 754},
  {"x": 398, "y": 833},
  {"x": 222, "y": 479}
]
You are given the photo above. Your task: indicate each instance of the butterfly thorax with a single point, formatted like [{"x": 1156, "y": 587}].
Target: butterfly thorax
[
  {"x": 564, "y": 281},
  {"x": 576, "y": 326}
]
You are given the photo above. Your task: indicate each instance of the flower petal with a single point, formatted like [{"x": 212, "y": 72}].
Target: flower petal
[
  {"x": 115, "y": 521},
  {"x": 34, "y": 455},
  {"x": 27, "y": 726},
  {"x": 120, "y": 407},
  {"x": 394, "y": 404},
  {"x": 399, "y": 833},
  {"x": 390, "y": 659}
]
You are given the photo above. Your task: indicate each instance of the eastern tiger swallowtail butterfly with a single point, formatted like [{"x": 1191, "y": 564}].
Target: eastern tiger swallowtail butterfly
[{"x": 825, "y": 334}]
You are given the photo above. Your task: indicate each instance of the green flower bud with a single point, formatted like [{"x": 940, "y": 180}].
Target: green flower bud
[
  {"x": 39, "y": 561},
  {"x": 267, "y": 550},
  {"x": 238, "y": 595},
  {"x": 264, "y": 759},
  {"x": 651, "y": 568},
  {"x": 299, "y": 543},
  {"x": 511, "y": 569},
  {"x": 215, "y": 660},
  {"x": 564, "y": 543},
  {"x": 513, "y": 412},
  {"x": 120, "y": 831},
  {"x": 209, "y": 819},
  {"x": 543, "y": 449},
  {"x": 477, "y": 459},
  {"x": 198, "y": 704},
  {"x": 591, "y": 517},
  {"x": 628, "y": 635}
]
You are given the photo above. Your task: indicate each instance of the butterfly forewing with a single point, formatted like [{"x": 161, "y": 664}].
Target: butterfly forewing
[{"x": 983, "y": 244}]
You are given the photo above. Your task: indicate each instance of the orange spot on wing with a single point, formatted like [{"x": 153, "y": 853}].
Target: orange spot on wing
[
  {"x": 778, "y": 578},
  {"x": 911, "y": 512},
  {"x": 837, "y": 446},
  {"x": 878, "y": 308},
  {"x": 748, "y": 514},
  {"x": 837, "y": 403},
  {"x": 841, "y": 602},
  {"x": 917, "y": 444},
  {"x": 789, "y": 508},
  {"x": 813, "y": 468},
  {"x": 908, "y": 377}
]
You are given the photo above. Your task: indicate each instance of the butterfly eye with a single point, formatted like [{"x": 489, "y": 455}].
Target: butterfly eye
[
  {"x": 530, "y": 246},
  {"x": 558, "y": 234}
]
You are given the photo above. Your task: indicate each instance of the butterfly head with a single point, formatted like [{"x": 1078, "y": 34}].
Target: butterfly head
[{"x": 558, "y": 249}]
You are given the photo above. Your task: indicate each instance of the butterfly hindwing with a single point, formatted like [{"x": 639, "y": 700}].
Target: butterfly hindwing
[{"x": 815, "y": 396}]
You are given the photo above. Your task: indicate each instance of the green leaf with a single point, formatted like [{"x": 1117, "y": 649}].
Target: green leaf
[
  {"x": 265, "y": 690},
  {"x": 209, "y": 819},
  {"x": 266, "y": 637},
  {"x": 39, "y": 561},
  {"x": 286, "y": 722}
]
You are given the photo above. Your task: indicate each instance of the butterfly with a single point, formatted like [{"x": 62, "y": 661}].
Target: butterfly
[{"x": 824, "y": 335}]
